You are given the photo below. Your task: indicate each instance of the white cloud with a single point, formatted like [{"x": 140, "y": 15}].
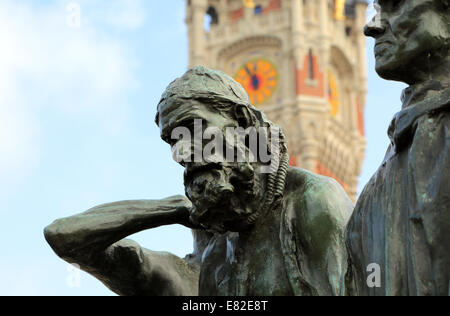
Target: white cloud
[
  {"x": 121, "y": 14},
  {"x": 45, "y": 64},
  {"x": 19, "y": 141},
  {"x": 125, "y": 13}
]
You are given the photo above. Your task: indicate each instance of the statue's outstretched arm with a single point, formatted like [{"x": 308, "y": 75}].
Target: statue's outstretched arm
[{"x": 95, "y": 241}]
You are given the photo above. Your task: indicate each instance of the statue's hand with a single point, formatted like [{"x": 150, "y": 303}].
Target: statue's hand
[{"x": 182, "y": 206}]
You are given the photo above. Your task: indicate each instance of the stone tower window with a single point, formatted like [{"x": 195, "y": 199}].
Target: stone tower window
[
  {"x": 258, "y": 10},
  {"x": 348, "y": 31},
  {"x": 311, "y": 65},
  {"x": 213, "y": 16}
]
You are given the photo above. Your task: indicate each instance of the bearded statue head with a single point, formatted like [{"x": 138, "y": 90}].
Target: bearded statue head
[{"x": 225, "y": 182}]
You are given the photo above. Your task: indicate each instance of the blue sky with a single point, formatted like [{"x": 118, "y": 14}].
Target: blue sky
[{"x": 77, "y": 109}]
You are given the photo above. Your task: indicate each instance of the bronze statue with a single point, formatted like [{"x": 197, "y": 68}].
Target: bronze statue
[
  {"x": 402, "y": 219},
  {"x": 279, "y": 232}
]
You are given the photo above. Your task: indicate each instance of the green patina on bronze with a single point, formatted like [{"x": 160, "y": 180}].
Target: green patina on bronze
[
  {"x": 280, "y": 233},
  {"x": 283, "y": 233},
  {"x": 402, "y": 218}
]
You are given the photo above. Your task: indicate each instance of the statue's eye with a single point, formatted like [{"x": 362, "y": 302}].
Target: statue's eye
[
  {"x": 189, "y": 124},
  {"x": 396, "y": 4},
  {"x": 390, "y": 5}
]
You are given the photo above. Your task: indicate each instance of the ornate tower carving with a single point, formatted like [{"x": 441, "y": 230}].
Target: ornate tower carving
[{"x": 302, "y": 62}]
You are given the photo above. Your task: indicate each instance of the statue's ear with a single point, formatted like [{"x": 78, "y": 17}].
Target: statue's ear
[{"x": 243, "y": 116}]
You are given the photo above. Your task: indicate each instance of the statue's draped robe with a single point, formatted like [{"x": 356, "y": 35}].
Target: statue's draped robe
[{"x": 402, "y": 219}]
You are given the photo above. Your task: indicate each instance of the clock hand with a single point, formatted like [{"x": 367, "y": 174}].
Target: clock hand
[
  {"x": 253, "y": 77},
  {"x": 248, "y": 71},
  {"x": 255, "y": 67}
]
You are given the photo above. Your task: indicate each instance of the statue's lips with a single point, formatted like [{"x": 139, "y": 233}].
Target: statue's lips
[
  {"x": 382, "y": 41},
  {"x": 381, "y": 46}
]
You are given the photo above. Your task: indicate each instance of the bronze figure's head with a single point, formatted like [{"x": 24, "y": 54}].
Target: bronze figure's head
[
  {"x": 203, "y": 112},
  {"x": 411, "y": 39}
]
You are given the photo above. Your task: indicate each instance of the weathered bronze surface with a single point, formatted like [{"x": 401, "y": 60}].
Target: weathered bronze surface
[
  {"x": 402, "y": 219},
  {"x": 280, "y": 233}
]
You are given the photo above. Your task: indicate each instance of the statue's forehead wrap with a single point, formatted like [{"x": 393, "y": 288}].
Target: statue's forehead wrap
[{"x": 207, "y": 85}]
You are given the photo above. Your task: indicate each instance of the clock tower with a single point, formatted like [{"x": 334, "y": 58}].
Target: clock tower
[{"x": 303, "y": 62}]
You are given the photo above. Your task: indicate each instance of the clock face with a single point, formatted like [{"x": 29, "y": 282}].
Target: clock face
[
  {"x": 259, "y": 78},
  {"x": 333, "y": 94}
]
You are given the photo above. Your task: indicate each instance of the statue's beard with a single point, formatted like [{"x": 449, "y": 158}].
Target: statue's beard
[{"x": 223, "y": 196}]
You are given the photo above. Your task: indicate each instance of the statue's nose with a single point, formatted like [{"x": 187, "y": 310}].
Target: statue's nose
[{"x": 374, "y": 28}]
